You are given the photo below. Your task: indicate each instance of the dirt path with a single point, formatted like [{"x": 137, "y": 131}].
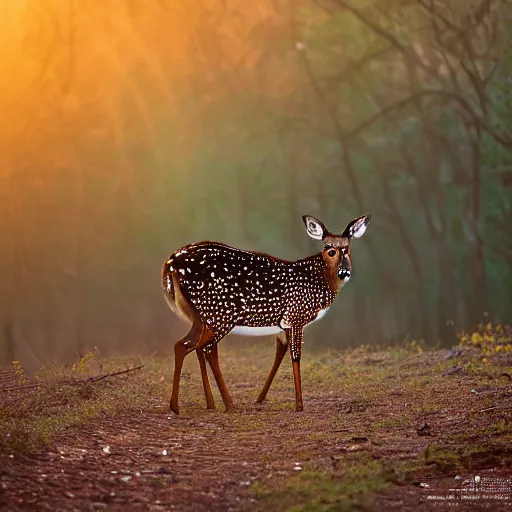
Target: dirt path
[
  {"x": 363, "y": 441},
  {"x": 197, "y": 472},
  {"x": 161, "y": 462}
]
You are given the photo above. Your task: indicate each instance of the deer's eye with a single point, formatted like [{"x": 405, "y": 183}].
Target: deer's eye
[{"x": 331, "y": 253}]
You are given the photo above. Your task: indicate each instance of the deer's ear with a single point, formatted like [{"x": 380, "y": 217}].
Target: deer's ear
[
  {"x": 357, "y": 227},
  {"x": 314, "y": 227}
]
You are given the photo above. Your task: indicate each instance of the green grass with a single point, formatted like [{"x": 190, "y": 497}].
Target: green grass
[
  {"x": 316, "y": 491},
  {"x": 30, "y": 418}
]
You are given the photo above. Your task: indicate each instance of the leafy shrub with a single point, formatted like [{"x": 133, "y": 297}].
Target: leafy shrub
[{"x": 488, "y": 338}]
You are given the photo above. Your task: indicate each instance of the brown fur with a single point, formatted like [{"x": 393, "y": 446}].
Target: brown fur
[{"x": 331, "y": 268}]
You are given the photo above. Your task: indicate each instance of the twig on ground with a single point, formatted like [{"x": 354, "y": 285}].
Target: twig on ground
[
  {"x": 489, "y": 408},
  {"x": 113, "y": 374}
]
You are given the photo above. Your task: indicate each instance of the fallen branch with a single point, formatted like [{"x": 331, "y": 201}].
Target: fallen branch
[
  {"x": 113, "y": 374},
  {"x": 76, "y": 381}
]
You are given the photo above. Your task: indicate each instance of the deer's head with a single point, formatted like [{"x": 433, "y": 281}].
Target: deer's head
[{"x": 336, "y": 251}]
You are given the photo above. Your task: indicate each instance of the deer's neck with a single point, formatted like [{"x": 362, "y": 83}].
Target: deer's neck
[
  {"x": 327, "y": 272},
  {"x": 331, "y": 274}
]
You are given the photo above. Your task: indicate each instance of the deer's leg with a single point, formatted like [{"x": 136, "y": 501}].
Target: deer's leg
[
  {"x": 210, "y": 403},
  {"x": 190, "y": 342},
  {"x": 181, "y": 349},
  {"x": 213, "y": 358},
  {"x": 280, "y": 352},
  {"x": 295, "y": 351}
]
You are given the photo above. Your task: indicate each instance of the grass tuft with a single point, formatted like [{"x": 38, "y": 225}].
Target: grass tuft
[{"x": 317, "y": 491}]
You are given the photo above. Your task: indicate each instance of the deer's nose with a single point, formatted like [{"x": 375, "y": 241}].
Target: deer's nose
[{"x": 343, "y": 273}]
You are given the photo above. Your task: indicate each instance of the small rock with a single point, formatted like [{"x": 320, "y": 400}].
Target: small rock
[
  {"x": 164, "y": 452},
  {"x": 453, "y": 353},
  {"x": 453, "y": 370},
  {"x": 106, "y": 449},
  {"x": 126, "y": 478},
  {"x": 424, "y": 430},
  {"x": 69, "y": 494},
  {"x": 98, "y": 504}
]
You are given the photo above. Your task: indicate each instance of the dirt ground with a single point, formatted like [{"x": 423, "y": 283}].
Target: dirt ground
[{"x": 380, "y": 431}]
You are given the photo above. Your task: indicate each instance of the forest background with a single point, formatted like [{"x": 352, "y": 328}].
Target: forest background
[{"x": 131, "y": 128}]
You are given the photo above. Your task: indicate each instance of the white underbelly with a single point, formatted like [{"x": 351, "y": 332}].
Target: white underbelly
[
  {"x": 320, "y": 315},
  {"x": 244, "y": 330}
]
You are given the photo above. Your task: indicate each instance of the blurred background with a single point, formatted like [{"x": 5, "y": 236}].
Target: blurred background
[{"x": 130, "y": 128}]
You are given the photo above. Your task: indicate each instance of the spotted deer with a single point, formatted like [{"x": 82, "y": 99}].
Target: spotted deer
[{"x": 220, "y": 290}]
